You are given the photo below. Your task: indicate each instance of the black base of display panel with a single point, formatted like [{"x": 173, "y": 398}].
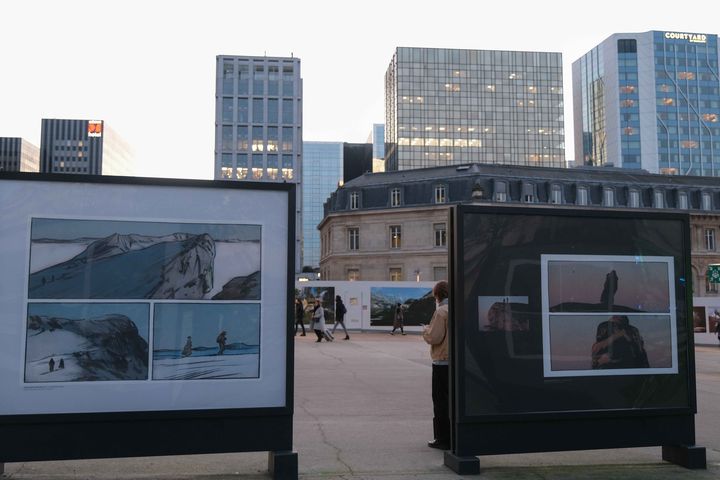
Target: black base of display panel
[
  {"x": 494, "y": 438},
  {"x": 462, "y": 465},
  {"x": 283, "y": 465},
  {"x": 688, "y": 456},
  {"x": 28, "y": 442}
]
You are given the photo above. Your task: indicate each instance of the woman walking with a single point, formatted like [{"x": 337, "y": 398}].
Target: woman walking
[
  {"x": 340, "y": 312},
  {"x": 318, "y": 323},
  {"x": 398, "y": 320},
  {"x": 299, "y": 315}
]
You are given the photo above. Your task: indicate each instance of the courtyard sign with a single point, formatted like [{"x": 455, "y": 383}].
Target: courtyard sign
[{"x": 690, "y": 37}]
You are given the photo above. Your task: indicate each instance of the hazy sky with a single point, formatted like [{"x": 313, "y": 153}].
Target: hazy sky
[{"x": 148, "y": 68}]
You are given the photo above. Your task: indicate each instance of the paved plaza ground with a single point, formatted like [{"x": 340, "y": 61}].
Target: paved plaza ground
[{"x": 363, "y": 411}]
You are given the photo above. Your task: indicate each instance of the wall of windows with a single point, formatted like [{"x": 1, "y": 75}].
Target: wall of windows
[{"x": 459, "y": 106}]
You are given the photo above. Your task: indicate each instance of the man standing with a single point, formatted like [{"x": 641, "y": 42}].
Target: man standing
[{"x": 435, "y": 334}]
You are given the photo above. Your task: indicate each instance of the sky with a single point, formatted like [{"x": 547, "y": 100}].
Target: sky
[{"x": 148, "y": 68}]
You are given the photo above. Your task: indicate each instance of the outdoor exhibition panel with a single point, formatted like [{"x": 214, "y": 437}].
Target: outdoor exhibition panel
[
  {"x": 144, "y": 316},
  {"x": 572, "y": 330}
]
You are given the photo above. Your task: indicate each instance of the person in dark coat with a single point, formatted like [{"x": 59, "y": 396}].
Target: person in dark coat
[
  {"x": 618, "y": 345},
  {"x": 221, "y": 341},
  {"x": 61, "y": 364},
  {"x": 340, "y": 312},
  {"x": 398, "y": 319},
  {"x": 299, "y": 317},
  {"x": 51, "y": 364}
]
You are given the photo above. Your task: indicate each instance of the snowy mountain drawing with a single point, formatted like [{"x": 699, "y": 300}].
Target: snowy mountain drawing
[
  {"x": 106, "y": 347},
  {"x": 198, "y": 262}
]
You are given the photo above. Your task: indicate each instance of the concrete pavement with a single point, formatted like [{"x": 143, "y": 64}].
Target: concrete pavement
[{"x": 363, "y": 411}]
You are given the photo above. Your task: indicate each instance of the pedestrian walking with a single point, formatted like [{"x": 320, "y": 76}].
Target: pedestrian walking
[
  {"x": 299, "y": 316},
  {"x": 318, "y": 321},
  {"x": 340, "y": 312},
  {"x": 436, "y": 335},
  {"x": 398, "y": 319}
]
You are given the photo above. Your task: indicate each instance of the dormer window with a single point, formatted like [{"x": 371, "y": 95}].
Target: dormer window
[
  {"x": 395, "y": 197},
  {"x": 634, "y": 198},
  {"x": 354, "y": 200},
  {"x": 682, "y": 201},
  {"x": 440, "y": 194},
  {"x": 608, "y": 197},
  {"x": 582, "y": 195},
  {"x": 528, "y": 193},
  {"x": 658, "y": 199},
  {"x": 556, "y": 194},
  {"x": 706, "y": 201},
  {"x": 500, "y": 192}
]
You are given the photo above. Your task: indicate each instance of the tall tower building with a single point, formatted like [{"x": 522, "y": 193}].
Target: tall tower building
[
  {"x": 322, "y": 172},
  {"x": 377, "y": 138},
  {"x": 83, "y": 146},
  {"x": 258, "y": 123},
  {"x": 446, "y": 106},
  {"x": 18, "y": 155},
  {"x": 649, "y": 100}
]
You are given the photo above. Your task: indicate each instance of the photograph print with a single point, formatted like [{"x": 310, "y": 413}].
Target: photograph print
[
  {"x": 608, "y": 315},
  {"x": 81, "y": 342},
  {"x": 309, "y": 297},
  {"x": 417, "y": 305},
  {"x": 507, "y": 314},
  {"x": 109, "y": 259},
  {"x": 193, "y": 341}
]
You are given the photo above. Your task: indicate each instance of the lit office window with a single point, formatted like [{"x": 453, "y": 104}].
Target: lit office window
[
  {"x": 353, "y": 238},
  {"x": 395, "y": 236},
  {"x": 287, "y": 139},
  {"x": 440, "y": 234},
  {"x": 241, "y": 171},
  {"x": 257, "y": 167},
  {"x": 440, "y": 196},
  {"x": 395, "y": 197},
  {"x": 287, "y": 167},
  {"x": 226, "y": 170},
  {"x": 272, "y": 167},
  {"x": 243, "y": 140},
  {"x": 272, "y": 139},
  {"x": 258, "y": 143},
  {"x": 710, "y": 239}
]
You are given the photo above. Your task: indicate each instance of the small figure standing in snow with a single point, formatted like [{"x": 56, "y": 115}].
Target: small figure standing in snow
[
  {"x": 51, "y": 364},
  {"x": 61, "y": 364},
  {"x": 187, "y": 349},
  {"x": 221, "y": 341}
]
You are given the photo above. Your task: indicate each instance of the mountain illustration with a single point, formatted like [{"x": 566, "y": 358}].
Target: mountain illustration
[
  {"x": 415, "y": 310},
  {"x": 241, "y": 288},
  {"x": 107, "y": 347},
  {"x": 178, "y": 266}
]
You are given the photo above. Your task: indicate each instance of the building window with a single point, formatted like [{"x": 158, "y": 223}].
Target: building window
[
  {"x": 556, "y": 194},
  {"x": 710, "y": 239},
  {"x": 395, "y": 236},
  {"x": 682, "y": 200},
  {"x": 706, "y": 201},
  {"x": 396, "y": 274},
  {"x": 354, "y": 200},
  {"x": 528, "y": 193},
  {"x": 440, "y": 196},
  {"x": 634, "y": 199},
  {"x": 582, "y": 196},
  {"x": 353, "y": 238},
  {"x": 439, "y": 273},
  {"x": 608, "y": 197},
  {"x": 440, "y": 234},
  {"x": 658, "y": 199},
  {"x": 353, "y": 274},
  {"x": 395, "y": 197},
  {"x": 501, "y": 192}
]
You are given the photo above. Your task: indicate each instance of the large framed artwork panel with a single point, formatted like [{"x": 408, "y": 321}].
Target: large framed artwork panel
[
  {"x": 569, "y": 317},
  {"x": 141, "y": 297}
]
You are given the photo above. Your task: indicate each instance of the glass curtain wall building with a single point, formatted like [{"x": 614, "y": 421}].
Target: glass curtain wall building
[
  {"x": 322, "y": 172},
  {"x": 258, "y": 118},
  {"x": 649, "y": 100},
  {"x": 447, "y": 106}
]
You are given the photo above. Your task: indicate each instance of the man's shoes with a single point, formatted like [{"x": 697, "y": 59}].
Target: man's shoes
[
  {"x": 404, "y": 333},
  {"x": 302, "y": 334},
  {"x": 439, "y": 445},
  {"x": 318, "y": 340},
  {"x": 347, "y": 337}
]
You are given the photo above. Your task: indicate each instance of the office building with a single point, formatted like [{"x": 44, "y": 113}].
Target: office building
[
  {"x": 447, "y": 107},
  {"x": 649, "y": 101},
  {"x": 357, "y": 160},
  {"x": 258, "y": 123},
  {"x": 83, "y": 146},
  {"x": 258, "y": 118},
  {"x": 377, "y": 139},
  {"x": 322, "y": 173},
  {"x": 18, "y": 155}
]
